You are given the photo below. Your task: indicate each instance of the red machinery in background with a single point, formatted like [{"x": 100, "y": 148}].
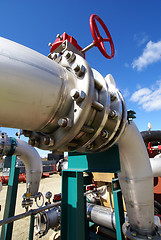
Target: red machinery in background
[{"x": 152, "y": 141}]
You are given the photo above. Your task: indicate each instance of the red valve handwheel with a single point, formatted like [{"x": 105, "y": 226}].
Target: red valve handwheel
[
  {"x": 150, "y": 147},
  {"x": 98, "y": 39}
]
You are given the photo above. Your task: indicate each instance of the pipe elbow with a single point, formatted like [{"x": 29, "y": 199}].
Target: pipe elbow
[
  {"x": 33, "y": 164},
  {"x": 136, "y": 180}
]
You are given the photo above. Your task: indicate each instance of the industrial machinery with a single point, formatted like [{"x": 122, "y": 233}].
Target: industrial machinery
[{"x": 62, "y": 104}]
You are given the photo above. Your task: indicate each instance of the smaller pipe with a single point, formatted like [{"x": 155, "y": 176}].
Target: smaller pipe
[
  {"x": 33, "y": 164},
  {"x": 101, "y": 216},
  {"x": 156, "y": 166},
  {"x": 29, "y": 213}
]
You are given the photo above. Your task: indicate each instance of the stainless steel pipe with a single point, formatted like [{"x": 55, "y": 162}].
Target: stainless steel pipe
[
  {"x": 60, "y": 103},
  {"x": 136, "y": 180},
  {"x": 31, "y": 87},
  {"x": 33, "y": 164},
  {"x": 156, "y": 165},
  {"x": 102, "y": 216},
  {"x": 30, "y": 157}
]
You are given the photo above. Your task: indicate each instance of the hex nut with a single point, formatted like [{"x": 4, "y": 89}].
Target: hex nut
[
  {"x": 79, "y": 70},
  {"x": 31, "y": 142},
  {"x": 113, "y": 96},
  {"x": 104, "y": 133},
  {"x": 77, "y": 95},
  {"x": 54, "y": 56},
  {"x": 70, "y": 56},
  {"x": 113, "y": 114},
  {"x": 90, "y": 146}
]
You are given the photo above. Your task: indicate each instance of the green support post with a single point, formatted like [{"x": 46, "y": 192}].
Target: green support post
[
  {"x": 118, "y": 206},
  {"x": 6, "y": 232},
  {"x": 31, "y": 233},
  {"x": 73, "y": 210}
]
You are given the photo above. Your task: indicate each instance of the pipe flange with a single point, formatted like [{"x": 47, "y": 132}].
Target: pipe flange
[{"x": 133, "y": 235}]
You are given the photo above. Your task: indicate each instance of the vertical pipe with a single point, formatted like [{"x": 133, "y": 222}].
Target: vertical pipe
[{"x": 136, "y": 180}]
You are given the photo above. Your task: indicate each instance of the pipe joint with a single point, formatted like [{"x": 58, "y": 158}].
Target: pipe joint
[{"x": 134, "y": 235}]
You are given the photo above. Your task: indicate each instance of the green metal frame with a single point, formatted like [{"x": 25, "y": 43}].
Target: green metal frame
[
  {"x": 73, "y": 206},
  {"x": 6, "y": 232},
  {"x": 118, "y": 206},
  {"x": 31, "y": 232},
  {"x": 7, "y": 229}
]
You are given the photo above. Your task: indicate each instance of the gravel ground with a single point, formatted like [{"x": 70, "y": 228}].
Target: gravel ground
[{"x": 21, "y": 227}]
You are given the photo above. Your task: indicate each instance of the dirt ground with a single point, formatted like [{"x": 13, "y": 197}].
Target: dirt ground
[{"x": 21, "y": 227}]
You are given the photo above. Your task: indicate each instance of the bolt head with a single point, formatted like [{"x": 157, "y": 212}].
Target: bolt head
[
  {"x": 65, "y": 122},
  {"x": 90, "y": 146},
  {"x": 74, "y": 93},
  {"x": 67, "y": 54},
  {"x": 32, "y": 142},
  {"x": 113, "y": 114},
  {"x": 77, "y": 95},
  {"x": 46, "y": 140},
  {"x": 79, "y": 70},
  {"x": 70, "y": 56},
  {"x": 113, "y": 96},
  {"x": 104, "y": 133},
  {"x": 62, "y": 122}
]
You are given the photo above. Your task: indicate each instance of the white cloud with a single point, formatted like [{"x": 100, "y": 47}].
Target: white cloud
[
  {"x": 126, "y": 65},
  {"x": 126, "y": 92},
  {"x": 141, "y": 38},
  {"x": 151, "y": 54},
  {"x": 148, "y": 98}
]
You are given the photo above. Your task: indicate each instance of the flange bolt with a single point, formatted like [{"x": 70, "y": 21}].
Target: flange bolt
[{"x": 76, "y": 95}]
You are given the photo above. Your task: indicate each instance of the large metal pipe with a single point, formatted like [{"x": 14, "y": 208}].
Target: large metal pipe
[
  {"x": 136, "y": 180},
  {"x": 61, "y": 103},
  {"x": 31, "y": 89}
]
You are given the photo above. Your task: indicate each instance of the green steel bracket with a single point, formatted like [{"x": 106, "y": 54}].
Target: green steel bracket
[
  {"x": 107, "y": 161},
  {"x": 6, "y": 232},
  {"x": 118, "y": 206},
  {"x": 73, "y": 205}
]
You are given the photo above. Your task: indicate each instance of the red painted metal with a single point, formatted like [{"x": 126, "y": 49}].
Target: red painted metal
[
  {"x": 98, "y": 39},
  {"x": 90, "y": 187},
  {"x": 45, "y": 174},
  {"x": 61, "y": 39},
  {"x": 57, "y": 197},
  {"x": 150, "y": 147},
  {"x": 4, "y": 179}
]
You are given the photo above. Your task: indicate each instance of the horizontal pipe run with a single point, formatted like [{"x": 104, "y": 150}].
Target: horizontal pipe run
[
  {"x": 151, "y": 136},
  {"x": 156, "y": 166},
  {"x": 29, "y": 213},
  {"x": 101, "y": 215}
]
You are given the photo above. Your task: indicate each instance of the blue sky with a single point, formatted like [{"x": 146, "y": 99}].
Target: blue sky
[{"x": 135, "y": 27}]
